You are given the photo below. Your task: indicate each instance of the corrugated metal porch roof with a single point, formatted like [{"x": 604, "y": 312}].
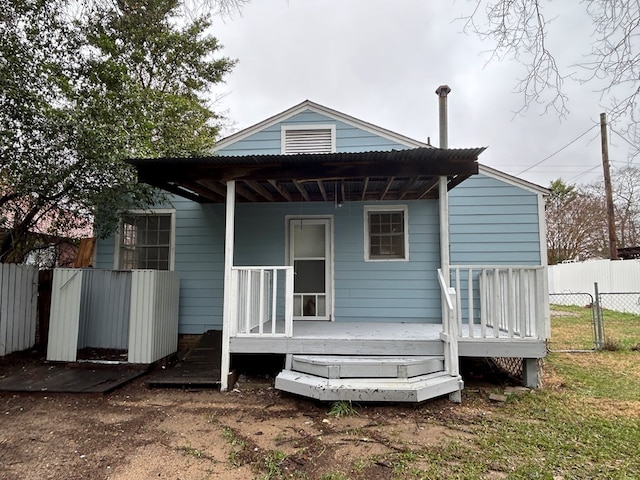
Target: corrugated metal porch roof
[{"x": 375, "y": 175}]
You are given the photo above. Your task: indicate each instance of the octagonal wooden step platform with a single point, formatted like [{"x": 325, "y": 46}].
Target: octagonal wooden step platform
[{"x": 368, "y": 378}]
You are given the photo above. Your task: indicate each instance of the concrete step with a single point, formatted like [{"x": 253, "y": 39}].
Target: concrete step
[
  {"x": 370, "y": 366},
  {"x": 415, "y": 389}
]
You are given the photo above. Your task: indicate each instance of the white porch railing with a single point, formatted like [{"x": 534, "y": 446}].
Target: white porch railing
[
  {"x": 501, "y": 301},
  {"x": 449, "y": 327},
  {"x": 264, "y": 301}
]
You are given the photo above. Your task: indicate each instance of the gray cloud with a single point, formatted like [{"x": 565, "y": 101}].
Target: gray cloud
[{"x": 381, "y": 61}]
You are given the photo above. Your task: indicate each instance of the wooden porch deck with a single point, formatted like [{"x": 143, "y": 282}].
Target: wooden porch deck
[{"x": 381, "y": 338}]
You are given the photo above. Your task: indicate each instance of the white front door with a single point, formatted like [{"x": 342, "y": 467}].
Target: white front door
[{"x": 310, "y": 254}]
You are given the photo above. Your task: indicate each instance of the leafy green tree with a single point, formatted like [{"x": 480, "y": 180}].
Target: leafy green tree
[{"x": 77, "y": 98}]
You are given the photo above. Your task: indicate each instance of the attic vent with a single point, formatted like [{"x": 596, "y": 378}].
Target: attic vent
[{"x": 308, "y": 140}]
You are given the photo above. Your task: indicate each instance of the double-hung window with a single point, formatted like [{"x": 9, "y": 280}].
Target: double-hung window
[
  {"x": 386, "y": 233},
  {"x": 145, "y": 240}
]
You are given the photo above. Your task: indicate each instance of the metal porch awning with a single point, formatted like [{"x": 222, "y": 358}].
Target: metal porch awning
[{"x": 364, "y": 176}]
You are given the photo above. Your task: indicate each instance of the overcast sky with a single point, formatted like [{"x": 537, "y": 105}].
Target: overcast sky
[{"x": 381, "y": 61}]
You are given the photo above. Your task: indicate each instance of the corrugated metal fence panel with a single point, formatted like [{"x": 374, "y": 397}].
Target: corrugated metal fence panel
[
  {"x": 153, "y": 328},
  {"x": 104, "y": 311},
  {"x": 64, "y": 321},
  {"x": 611, "y": 276},
  {"x": 18, "y": 302}
]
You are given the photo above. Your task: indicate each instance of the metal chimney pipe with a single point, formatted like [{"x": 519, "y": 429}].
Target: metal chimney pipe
[{"x": 442, "y": 92}]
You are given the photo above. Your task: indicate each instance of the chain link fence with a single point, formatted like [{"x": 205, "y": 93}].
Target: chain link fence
[
  {"x": 582, "y": 322},
  {"x": 620, "y": 312},
  {"x": 574, "y": 322},
  {"x": 625, "y": 302}
]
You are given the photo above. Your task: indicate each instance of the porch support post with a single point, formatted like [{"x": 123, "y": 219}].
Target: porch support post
[
  {"x": 530, "y": 373},
  {"x": 228, "y": 294},
  {"x": 443, "y": 203}
]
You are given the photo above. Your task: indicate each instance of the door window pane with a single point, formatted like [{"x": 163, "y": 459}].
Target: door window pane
[
  {"x": 309, "y": 276},
  {"x": 308, "y": 240}
]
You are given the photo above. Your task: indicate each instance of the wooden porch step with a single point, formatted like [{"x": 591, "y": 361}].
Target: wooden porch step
[
  {"x": 415, "y": 389},
  {"x": 370, "y": 366}
]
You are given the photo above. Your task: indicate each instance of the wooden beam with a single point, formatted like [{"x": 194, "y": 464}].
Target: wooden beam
[
  {"x": 410, "y": 168},
  {"x": 186, "y": 192},
  {"x": 301, "y": 189},
  {"x": 410, "y": 183},
  {"x": 457, "y": 180},
  {"x": 215, "y": 187},
  {"x": 364, "y": 188},
  {"x": 428, "y": 188},
  {"x": 283, "y": 193},
  {"x": 266, "y": 194},
  {"x": 244, "y": 192},
  {"x": 322, "y": 189},
  {"x": 386, "y": 187}
]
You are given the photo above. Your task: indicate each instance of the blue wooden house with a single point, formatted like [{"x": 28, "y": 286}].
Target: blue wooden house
[{"x": 370, "y": 260}]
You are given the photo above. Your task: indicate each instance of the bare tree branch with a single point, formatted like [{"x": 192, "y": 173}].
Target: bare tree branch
[{"x": 519, "y": 30}]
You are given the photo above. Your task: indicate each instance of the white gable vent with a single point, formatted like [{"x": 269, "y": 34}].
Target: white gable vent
[{"x": 308, "y": 139}]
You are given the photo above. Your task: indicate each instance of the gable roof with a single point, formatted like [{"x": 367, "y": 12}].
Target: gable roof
[
  {"x": 369, "y": 127},
  {"x": 316, "y": 107}
]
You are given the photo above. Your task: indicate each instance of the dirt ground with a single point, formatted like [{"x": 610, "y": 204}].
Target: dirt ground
[{"x": 251, "y": 432}]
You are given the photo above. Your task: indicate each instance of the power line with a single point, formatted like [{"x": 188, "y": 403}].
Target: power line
[
  {"x": 623, "y": 137},
  {"x": 559, "y": 150},
  {"x": 583, "y": 173}
]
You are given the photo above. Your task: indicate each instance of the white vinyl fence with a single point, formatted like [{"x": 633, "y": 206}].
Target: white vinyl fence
[
  {"x": 618, "y": 282},
  {"x": 18, "y": 303}
]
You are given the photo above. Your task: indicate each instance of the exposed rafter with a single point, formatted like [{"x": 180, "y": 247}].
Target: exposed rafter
[{"x": 362, "y": 176}]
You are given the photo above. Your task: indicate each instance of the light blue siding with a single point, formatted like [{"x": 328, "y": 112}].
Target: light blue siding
[
  {"x": 199, "y": 257},
  {"x": 405, "y": 290},
  {"x": 493, "y": 222},
  {"x": 348, "y": 138}
]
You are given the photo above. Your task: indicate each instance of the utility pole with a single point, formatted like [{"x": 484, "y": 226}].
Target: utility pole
[{"x": 613, "y": 241}]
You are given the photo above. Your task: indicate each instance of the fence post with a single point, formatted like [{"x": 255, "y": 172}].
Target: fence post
[{"x": 598, "y": 327}]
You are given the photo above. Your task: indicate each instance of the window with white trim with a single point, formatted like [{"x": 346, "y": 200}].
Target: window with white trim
[
  {"x": 145, "y": 241},
  {"x": 386, "y": 232},
  {"x": 308, "y": 139}
]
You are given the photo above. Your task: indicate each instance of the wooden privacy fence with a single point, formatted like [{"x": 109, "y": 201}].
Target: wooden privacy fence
[{"x": 18, "y": 303}]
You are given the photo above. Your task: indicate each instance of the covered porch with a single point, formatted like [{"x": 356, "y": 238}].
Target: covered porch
[
  {"x": 481, "y": 310},
  {"x": 493, "y": 311}
]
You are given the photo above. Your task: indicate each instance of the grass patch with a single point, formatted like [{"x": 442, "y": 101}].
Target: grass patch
[
  {"x": 193, "y": 452},
  {"x": 342, "y": 409},
  {"x": 625, "y": 327},
  {"x": 273, "y": 465},
  {"x": 334, "y": 476},
  {"x": 571, "y": 328},
  {"x": 237, "y": 446}
]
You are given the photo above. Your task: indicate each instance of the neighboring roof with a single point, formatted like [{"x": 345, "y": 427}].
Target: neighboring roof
[
  {"x": 369, "y": 127},
  {"x": 388, "y": 175},
  {"x": 315, "y": 107}
]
